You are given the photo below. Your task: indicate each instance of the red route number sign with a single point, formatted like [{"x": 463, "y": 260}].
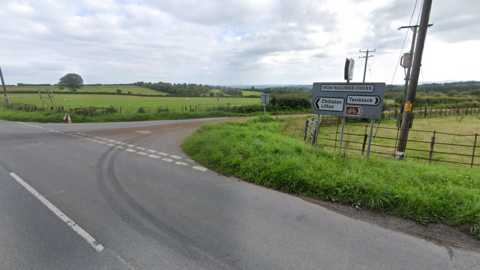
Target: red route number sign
[{"x": 353, "y": 110}]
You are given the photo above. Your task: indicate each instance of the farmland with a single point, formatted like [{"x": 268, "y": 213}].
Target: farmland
[
  {"x": 89, "y": 88},
  {"x": 131, "y": 102}
]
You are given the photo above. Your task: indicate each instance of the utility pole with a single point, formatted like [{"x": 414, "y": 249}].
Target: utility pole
[
  {"x": 412, "y": 87},
  {"x": 4, "y": 89},
  {"x": 366, "y": 60},
  {"x": 414, "y": 28}
]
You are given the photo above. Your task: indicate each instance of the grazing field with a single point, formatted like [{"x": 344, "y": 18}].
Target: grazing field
[
  {"x": 131, "y": 102},
  {"x": 454, "y": 137},
  {"x": 251, "y": 93},
  {"x": 90, "y": 88}
]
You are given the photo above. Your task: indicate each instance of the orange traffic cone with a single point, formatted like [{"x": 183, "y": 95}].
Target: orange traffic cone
[
  {"x": 65, "y": 117},
  {"x": 69, "y": 119}
]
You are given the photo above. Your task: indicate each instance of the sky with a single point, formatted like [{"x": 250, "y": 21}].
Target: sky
[{"x": 232, "y": 42}]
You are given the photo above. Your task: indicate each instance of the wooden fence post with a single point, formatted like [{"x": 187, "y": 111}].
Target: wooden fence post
[
  {"x": 432, "y": 145},
  {"x": 474, "y": 146}
]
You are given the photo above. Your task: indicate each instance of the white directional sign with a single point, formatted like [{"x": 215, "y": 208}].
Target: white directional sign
[
  {"x": 361, "y": 100},
  {"x": 329, "y": 104},
  {"x": 364, "y": 100}
]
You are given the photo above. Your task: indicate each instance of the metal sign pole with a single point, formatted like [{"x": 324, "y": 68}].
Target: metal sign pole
[
  {"x": 370, "y": 138},
  {"x": 341, "y": 135},
  {"x": 317, "y": 131},
  {"x": 217, "y": 99},
  {"x": 264, "y": 109}
]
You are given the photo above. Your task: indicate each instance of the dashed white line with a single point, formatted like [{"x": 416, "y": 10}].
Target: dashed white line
[
  {"x": 131, "y": 145},
  {"x": 131, "y": 150},
  {"x": 109, "y": 144},
  {"x": 87, "y": 237},
  {"x": 120, "y": 147},
  {"x": 140, "y": 148},
  {"x": 189, "y": 160},
  {"x": 142, "y": 153},
  {"x": 163, "y": 154},
  {"x": 200, "y": 168},
  {"x": 167, "y": 159},
  {"x": 151, "y": 151},
  {"x": 177, "y": 157},
  {"x": 181, "y": 163},
  {"x": 153, "y": 156}
]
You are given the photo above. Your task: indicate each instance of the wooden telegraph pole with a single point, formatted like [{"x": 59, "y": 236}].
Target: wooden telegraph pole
[
  {"x": 366, "y": 61},
  {"x": 4, "y": 88},
  {"x": 412, "y": 88}
]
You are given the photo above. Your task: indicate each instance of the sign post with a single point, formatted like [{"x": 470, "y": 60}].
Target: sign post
[
  {"x": 218, "y": 94},
  {"x": 357, "y": 100},
  {"x": 264, "y": 99}
]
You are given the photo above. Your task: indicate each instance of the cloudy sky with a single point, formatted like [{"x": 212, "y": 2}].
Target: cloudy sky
[{"x": 231, "y": 42}]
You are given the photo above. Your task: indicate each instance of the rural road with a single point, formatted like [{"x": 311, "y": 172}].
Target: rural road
[{"x": 125, "y": 196}]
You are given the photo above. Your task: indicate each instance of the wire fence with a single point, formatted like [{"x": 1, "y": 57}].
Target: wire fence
[{"x": 431, "y": 146}]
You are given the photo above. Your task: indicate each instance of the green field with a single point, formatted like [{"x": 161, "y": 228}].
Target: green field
[
  {"x": 131, "y": 102},
  {"x": 251, "y": 93},
  {"x": 90, "y": 88}
]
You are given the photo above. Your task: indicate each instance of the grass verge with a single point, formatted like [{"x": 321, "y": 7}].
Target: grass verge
[
  {"x": 57, "y": 117},
  {"x": 259, "y": 152}
]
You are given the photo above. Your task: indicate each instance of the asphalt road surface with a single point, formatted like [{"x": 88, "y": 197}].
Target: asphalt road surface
[{"x": 125, "y": 196}]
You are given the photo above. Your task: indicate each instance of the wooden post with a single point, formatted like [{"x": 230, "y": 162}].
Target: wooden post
[
  {"x": 432, "y": 145},
  {"x": 474, "y": 146},
  {"x": 306, "y": 129},
  {"x": 425, "y": 115}
]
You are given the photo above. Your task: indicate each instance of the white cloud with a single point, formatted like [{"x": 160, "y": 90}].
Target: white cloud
[{"x": 239, "y": 41}]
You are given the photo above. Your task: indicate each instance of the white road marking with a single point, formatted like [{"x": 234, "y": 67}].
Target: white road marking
[
  {"x": 131, "y": 145},
  {"x": 131, "y": 150},
  {"x": 109, "y": 144},
  {"x": 98, "y": 137},
  {"x": 102, "y": 142},
  {"x": 167, "y": 159},
  {"x": 142, "y": 153},
  {"x": 120, "y": 147},
  {"x": 200, "y": 168},
  {"x": 143, "y": 131},
  {"x": 105, "y": 139},
  {"x": 112, "y": 141},
  {"x": 140, "y": 148},
  {"x": 153, "y": 156},
  {"x": 87, "y": 237},
  {"x": 181, "y": 163},
  {"x": 177, "y": 157},
  {"x": 189, "y": 160},
  {"x": 151, "y": 151},
  {"x": 163, "y": 154}
]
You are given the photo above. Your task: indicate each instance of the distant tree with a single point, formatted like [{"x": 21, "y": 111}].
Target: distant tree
[
  {"x": 119, "y": 91},
  {"x": 452, "y": 93},
  {"x": 211, "y": 94},
  {"x": 71, "y": 81}
]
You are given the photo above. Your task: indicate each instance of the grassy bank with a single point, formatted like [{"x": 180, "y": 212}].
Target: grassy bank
[
  {"x": 259, "y": 151},
  {"x": 57, "y": 117}
]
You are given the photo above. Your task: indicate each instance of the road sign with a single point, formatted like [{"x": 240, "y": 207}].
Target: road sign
[
  {"x": 364, "y": 100},
  {"x": 353, "y": 110},
  {"x": 265, "y": 98},
  {"x": 329, "y": 104},
  {"x": 361, "y": 100}
]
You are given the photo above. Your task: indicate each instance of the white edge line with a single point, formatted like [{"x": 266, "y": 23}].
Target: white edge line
[{"x": 90, "y": 240}]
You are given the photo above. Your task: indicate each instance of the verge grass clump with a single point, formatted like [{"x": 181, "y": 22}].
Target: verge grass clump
[{"x": 259, "y": 152}]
